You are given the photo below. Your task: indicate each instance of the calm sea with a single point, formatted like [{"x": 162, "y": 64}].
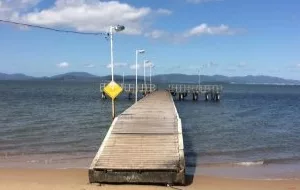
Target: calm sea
[{"x": 253, "y": 131}]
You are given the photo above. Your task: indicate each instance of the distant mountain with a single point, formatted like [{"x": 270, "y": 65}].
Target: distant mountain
[
  {"x": 17, "y": 76},
  {"x": 182, "y": 78},
  {"x": 74, "y": 76},
  {"x": 164, "y": 78},
  {"x": 262, "y": 79}
]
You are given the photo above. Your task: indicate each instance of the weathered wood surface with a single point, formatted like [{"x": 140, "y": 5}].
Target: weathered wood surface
[{"x": 143, "y": 145}]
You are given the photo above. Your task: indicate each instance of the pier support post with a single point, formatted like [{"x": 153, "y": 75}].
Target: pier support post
[
  {"x": 129, "y": 95},
  {"x": 180, "y": 96},
  {"x": 217, "y": 97},
  {"x": 103, "y": 95},
  {"x": 195, "y": 96},
  {"x": 206, "y": 96},
  {"x": 212, "y": 96}
]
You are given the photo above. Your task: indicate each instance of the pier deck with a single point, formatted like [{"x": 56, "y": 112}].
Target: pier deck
[{"x": 143, "y": 145}]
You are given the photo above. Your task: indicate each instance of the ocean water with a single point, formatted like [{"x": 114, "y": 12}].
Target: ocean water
[{"x": 254, "y": 131}]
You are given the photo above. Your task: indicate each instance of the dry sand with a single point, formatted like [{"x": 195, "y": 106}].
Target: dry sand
[{"x": 77, "y": 179}]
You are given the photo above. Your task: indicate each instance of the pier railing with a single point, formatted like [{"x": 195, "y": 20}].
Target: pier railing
[
  {"x": 131, "y": 87},
  {"x": 192, "y": 88},
  {"x": 183, "y": 90}
]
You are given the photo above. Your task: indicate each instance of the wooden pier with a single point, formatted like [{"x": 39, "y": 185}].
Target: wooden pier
[
  {"x": 130, "y": 89},
  {"x": 183, "y": 90},
  {"x": 144, "y": 144}
]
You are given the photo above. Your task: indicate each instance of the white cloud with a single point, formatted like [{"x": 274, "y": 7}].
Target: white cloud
[
  {"x": 89, "y": 65},
  {"x": 274, "y": 70},
  {"x": 134, "y": 66},
  {"x": 155, "y": 34},
  {"x": 242, "y": 64},
  {"x": 92, "y": 16},
  {"x": 204, "y": 29},
  {"x": 211, "y": 64},
  {"x": 201, "y": 1},
  {"x": 12, "y": 8},
  {"x": 117, "y": 65},
  {"x": 293, "y": 67},
  {"x": 6, "y": 5},
  {"x": 164, "y": 11},
  {"x": 166, "y": 36},
  {"x": 63, "y": 65},
  {"x": 231, "y": 69},
  {"x": 97, "y": 16},
  {"x": 83, "y": 15}
]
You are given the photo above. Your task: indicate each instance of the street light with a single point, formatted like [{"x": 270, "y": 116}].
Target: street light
[
  {"x": 150, "y": 82},
  {"x": 199, "y": 74},
  {"x": 117, "y": 28},
  {"x": 139, "y": 51},
  {"x": 145, "y": 87},
  {"x": 199, "y": 77}
]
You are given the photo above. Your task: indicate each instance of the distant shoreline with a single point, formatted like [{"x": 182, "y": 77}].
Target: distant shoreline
[
  {"x": 141, "y": 81},
  {"x": 160, "y": 78},
  {"x": 256, "y": 170}
]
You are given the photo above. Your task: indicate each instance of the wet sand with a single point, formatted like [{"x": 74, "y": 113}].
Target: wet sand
[{"x": 77, "y": 179}]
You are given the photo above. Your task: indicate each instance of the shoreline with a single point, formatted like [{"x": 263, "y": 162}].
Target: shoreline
[
  {"x": 77, "y": 179},
  {"x": 229, "y": 171}
]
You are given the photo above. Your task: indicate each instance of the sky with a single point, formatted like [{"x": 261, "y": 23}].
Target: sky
[{"x": 224, "y": 37}]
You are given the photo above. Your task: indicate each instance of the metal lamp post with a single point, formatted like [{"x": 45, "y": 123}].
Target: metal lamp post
[
  {"x": 199, "y": 82},
  {"x": 199, "y": 74},
  {"x": 145, "y": 85},
  {"x": 117, "y": 28},
  {"x": 150, "y": 82},
  {"x": 137, "y": 52}
]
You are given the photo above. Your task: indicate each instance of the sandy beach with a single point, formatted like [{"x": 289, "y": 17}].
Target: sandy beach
[{"x": 77, "y": 179}]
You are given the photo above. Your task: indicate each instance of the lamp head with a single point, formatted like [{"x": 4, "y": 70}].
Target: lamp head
[
  {"x": 119, "y": 28},
  {"x": 140, "y": 51}
]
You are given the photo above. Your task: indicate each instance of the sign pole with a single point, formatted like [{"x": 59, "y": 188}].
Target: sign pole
[
  {"x": 113, "y": 89},
  {"x": 113, "y": 108}
]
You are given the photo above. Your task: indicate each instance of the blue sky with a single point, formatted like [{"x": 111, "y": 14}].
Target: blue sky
[{"x": 228, "y": 37}]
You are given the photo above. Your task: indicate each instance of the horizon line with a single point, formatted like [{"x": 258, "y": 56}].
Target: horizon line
[{"x": 298, "y": 80}]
